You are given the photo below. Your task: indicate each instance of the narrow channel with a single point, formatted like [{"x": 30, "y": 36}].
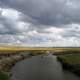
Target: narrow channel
[{"x": 42, "y": 67}]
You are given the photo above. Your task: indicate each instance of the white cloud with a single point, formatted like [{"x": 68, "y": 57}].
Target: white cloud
[
  {"x": 11, "y": 14},
  {"x": 54, "y": 30}
]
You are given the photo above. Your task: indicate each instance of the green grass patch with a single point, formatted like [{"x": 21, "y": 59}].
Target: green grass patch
[
  {"x": 71, "y": 59},
  {"x": 71, "y": 62},
  {"x": 4, "y": 76}
]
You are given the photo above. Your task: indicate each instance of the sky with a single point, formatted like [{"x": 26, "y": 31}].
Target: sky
[{"x": 40, "y": 23}]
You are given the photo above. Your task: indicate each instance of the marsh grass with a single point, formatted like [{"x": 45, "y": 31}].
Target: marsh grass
[
  {"x": 4, "y": 76},
  {"x": 71, "y": 62}
]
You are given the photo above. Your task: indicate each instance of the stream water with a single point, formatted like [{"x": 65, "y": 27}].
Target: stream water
[{"x": 42, "y": 67}]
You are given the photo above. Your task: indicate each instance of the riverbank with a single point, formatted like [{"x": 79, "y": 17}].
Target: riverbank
[
  {"x": 6, "y": 63},
  {"x": 70, "y": 62}
]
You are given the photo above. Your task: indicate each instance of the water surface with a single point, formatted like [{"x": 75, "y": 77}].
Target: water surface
[{"x": 42, "y": 67}]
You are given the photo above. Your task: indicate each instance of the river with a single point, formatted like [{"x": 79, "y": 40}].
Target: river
[{"x": 42, "y": 67}]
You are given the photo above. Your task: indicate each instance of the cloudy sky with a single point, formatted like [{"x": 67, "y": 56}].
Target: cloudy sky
[{"x": 44, "y": 23}]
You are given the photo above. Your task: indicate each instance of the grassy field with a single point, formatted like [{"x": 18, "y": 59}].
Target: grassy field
[
  {"x": 12, "y": 50},
  {"x": 21, "y": 48}
]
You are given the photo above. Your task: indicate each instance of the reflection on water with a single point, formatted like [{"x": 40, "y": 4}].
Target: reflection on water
[{"x": 42, "y": 67}]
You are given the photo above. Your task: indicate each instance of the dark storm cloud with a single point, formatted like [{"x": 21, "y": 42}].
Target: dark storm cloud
[{"x": 47, "y": 12}]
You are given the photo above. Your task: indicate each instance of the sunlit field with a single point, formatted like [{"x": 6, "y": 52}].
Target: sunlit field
[{"x": 20, "y": 48}]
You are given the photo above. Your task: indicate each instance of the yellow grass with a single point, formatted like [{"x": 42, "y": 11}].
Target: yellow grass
[
  {"x": 21, "y": 48},
  {"x": 3, "y": 48}
]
